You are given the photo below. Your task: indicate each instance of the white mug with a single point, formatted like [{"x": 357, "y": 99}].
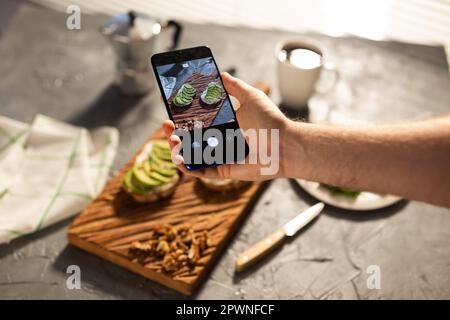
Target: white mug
[{"x": 297, "y": 81}]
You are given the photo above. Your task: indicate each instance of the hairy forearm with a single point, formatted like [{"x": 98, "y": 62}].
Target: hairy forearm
[{"x": 410, "y": 160}]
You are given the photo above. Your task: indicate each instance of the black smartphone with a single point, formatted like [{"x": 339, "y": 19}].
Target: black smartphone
[{"x": 198, "y": 104}]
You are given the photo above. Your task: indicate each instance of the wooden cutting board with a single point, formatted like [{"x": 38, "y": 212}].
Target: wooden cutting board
[{"x": 112, "y": 221}]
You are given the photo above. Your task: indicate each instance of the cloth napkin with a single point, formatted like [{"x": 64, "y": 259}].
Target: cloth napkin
[{"x": 49, "y": 170}]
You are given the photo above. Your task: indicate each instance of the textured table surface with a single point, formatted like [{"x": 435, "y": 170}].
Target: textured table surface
[{"x": 68, "y": 75}]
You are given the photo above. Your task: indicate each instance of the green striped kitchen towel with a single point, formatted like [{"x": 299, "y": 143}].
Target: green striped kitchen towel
[{"x": 49, "y": 170}]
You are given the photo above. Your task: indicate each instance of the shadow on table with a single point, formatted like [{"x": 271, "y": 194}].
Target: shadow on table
[
  {"x": 101, "y": 275},
  {"x": 348, "y": 214},
  {"x": 18, "y": 243},
  {"x": 260, "y": 264},
  {"x": 356, "y": 216},
  {"x": 104, "y": 276},
  {"x": 107, "y": 110}
]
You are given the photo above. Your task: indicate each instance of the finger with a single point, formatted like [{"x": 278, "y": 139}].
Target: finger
[
  {"x": 174, "y": 141},
  {"x": 210, "y": 173},
  {"x": 235, "y": 103},
  {"x": 168, "y": 127},
  {"x": 236, "y": 87},
  {"x": 179, "y": 161},
  {"x": 194, "y": 173}
]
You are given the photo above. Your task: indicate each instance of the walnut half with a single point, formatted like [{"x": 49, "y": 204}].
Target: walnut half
[{"x": 177, "y": 247}]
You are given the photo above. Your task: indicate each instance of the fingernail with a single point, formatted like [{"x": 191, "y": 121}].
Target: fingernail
[
  {"x": 178, "y": 160},
  {"x": 173, "y": 138}
]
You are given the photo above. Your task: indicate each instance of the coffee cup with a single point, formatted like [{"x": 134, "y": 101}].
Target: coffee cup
[{"x": 300, "y": 63}]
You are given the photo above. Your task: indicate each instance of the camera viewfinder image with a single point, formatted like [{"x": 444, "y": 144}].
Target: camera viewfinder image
[{"x": 195, "y": 93}]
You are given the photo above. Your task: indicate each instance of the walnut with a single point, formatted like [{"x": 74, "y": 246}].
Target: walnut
[
  {"x": 201, "y": 240},
  {"x": 177, "y": 247},
  {"x": 174, "y": 245},
  {"x": 141, "y": 246},
  {"x": 193, "y": 253},
  {"x": 188, "y": 237},
  {"x": 163, "y": 247},
  {"x": 169, "y": 263},
  {"x": 181, "y": 245},
  {"x": 167, "y": 231}
]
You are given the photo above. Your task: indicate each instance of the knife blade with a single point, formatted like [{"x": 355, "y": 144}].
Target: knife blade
[
  {"x": 264, "y": 246},
  {"x": 302, "y": 219}
]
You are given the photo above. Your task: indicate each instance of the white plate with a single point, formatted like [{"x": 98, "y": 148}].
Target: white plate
[{"x": 364, "y": 201}]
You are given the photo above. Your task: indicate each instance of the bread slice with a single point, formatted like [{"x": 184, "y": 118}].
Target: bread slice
[
  {"x": 223, "y": 184},
  {"x": 156, "y": 193}
]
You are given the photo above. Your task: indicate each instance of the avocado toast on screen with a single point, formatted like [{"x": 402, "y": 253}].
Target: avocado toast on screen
[
  {"x": 212, "y": 94},
  {"x": 184, "y": 96}
]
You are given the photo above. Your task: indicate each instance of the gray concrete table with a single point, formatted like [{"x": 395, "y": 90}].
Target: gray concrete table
[{"x": 48, "y": 69}]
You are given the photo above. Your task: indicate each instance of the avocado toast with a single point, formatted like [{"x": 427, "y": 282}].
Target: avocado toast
[
  {"x": 212, "y": 94},
  {"x": 184, "y": 96},
  {"x": 223, "y": 184},
  {"x": 153, "y": 175}
]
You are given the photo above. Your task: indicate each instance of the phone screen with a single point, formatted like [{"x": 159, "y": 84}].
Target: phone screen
[{"x": 196, "y": 100}]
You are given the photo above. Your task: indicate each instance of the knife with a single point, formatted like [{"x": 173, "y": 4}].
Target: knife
[{"x": 264, "y": 246}]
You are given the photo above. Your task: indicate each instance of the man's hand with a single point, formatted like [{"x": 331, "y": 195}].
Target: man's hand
[{"x": 255, "y": 111}]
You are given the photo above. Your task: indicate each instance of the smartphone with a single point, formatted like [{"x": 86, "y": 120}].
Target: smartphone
[{"x": 198, "y": 104}]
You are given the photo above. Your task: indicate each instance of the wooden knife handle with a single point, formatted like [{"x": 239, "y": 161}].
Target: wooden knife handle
[{"x": 259, "y": 250}]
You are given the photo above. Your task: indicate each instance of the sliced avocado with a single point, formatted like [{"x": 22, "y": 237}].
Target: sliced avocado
[
  {"x": 147, "y": 167},
  {"x": 176, "y": 101},
  {"x": 184, "y": 100},
  {"x": 157, "y": 176},
  {"x": 161, "y": 145},
  {"x": 214, "y": 92},
  {"x": 155, "y": 173},
  {"x": 143, "y": 179},
  {"x": 165, "y": 171},
  {"x": 180, "y": 101},
  {"x": 159, "y": 168},
  {"x": 162, "y": 154},
  {"x": 209, "y": 99},
  {"x": 186, "y": 96},
  {"x": 163, "y": 164},
  {"x": 130, "y": 185}
]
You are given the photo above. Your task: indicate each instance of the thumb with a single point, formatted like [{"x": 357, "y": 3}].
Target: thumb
[{"x": 236, "y": 87}]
